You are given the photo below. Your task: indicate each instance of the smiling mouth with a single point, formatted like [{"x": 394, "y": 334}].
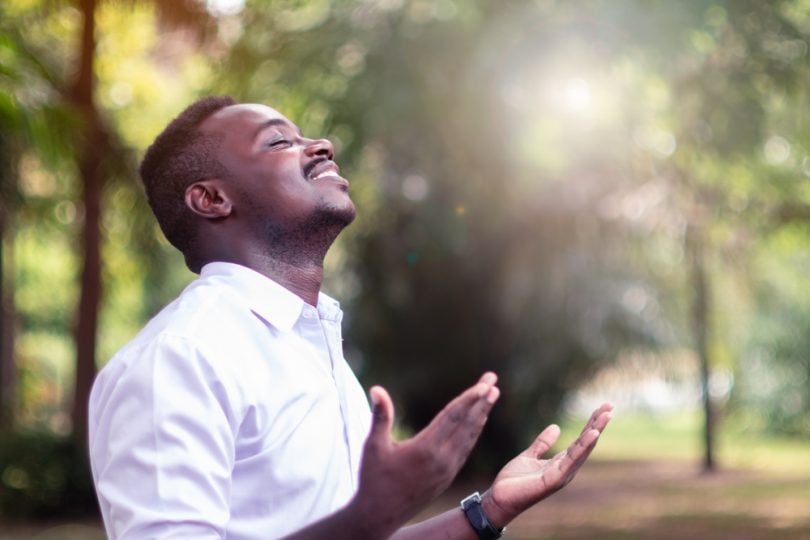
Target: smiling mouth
[
  {"x": 330, "y": 176},
  {"x": 331, "y": 173}
]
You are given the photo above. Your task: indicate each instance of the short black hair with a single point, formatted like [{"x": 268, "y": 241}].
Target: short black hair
[{"x": 180, "y": 156}]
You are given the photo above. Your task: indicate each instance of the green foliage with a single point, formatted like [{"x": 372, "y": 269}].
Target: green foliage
[
  {"x": 524, "y": 171},
  {"x": 44, "y": 476},
  {"x": 40, "y": 191},
  {"x": 467, "y": 255},
  {"x": 775, "y": 369}
]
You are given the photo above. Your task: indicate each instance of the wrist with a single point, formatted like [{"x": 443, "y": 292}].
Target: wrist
[
  {"x": 364, "y": 521},
  {"x": 494, "y": 512},
  {"x": 478, "y": 519}
]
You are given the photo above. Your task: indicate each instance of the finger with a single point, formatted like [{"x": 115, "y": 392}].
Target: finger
[
  {"x": 493, "y": 395},
  {"x": 598, "y": 423},
  {"x": 489, "y": 378},
  {"x": 591, "y": 423},
  {"x": 472, "y": 404},
  {"x": 465, "y": 432},
  {"x": 602, "y": 420},
  {"x": 454, "y": 440},
  {"x": 382, "y": 417},
  {"x": 462, "y": 420},
  {"x": 543, "y": 442},
  {"x": 581, "y": 448},
  {"x": 571, "y": 459},
  {"x": 590, "y": 437},
  {"x": 466, "y": 403}
]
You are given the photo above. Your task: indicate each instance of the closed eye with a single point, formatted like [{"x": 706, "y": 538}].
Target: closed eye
[{"x": 278, "y": 143}]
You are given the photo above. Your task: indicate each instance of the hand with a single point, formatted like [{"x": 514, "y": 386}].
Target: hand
[
  {"x": 397, "y": 479},
  {"x": 528, "y": 479}
]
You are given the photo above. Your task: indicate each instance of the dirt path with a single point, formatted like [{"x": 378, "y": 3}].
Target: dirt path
[
  {"x": 666, "y": 500},
  {"x": 617, "y": 500}
]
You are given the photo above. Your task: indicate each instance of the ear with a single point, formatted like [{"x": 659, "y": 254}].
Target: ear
[{"x": 208, "y": 199}]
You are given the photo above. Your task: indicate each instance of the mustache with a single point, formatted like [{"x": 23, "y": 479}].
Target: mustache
[{"x": 312, "y": 164}]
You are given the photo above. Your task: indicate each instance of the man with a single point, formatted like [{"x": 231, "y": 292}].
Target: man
[{"x": 233, "y": 413}]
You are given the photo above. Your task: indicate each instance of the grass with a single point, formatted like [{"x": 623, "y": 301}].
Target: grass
[
  {"x": 665, "y": 499},
  {"x": 644, "y": 436},
  {"x": 679, "y": 436},
  {"x": 644, "y": 481}
]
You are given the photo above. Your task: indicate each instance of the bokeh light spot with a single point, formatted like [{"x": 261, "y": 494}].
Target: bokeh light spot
[
  {"x": 777, "y": 150},
  {"x": 415, "y": 187}
]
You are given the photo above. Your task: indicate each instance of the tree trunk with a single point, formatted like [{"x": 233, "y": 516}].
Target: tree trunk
[
  {"x": 8, "y": 372},
  {"x": 700, "y": 308},
  {"x": 91, "y": 158}
]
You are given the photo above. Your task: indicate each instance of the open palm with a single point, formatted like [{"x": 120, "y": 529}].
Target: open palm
[{"x": 528, "y": 479}]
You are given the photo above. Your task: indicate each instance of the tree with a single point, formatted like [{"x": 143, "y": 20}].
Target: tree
[
  {"x": 432, "y": 100},
  {"x": 97, "y": 149},
  {"x": 464, "y": 258},
  {"x": 94, "y": 145},
  {"x": 723, "y": 122},
  {"x": 26, "y": 123}
]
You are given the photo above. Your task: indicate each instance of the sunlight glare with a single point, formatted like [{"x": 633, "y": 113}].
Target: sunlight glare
[
  {"x": 577, "y": 94},
  {"x": 219, "y": 8}
]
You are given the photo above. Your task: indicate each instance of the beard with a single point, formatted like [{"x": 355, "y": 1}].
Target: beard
[{"x": 307, "y": 239}]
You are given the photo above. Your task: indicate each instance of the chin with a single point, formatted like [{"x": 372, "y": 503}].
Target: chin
[
  {"x": 350, "y": 213},
  {"x": 343, "y": 213},
  {"x": 346, "y": 216},
  {"x": 332, "y": 214}
]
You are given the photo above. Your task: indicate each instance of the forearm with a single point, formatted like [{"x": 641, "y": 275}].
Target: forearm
[
  {"x": 351, "y": 522},
  {"x": 450, "y": 525},
  {"x": 453, "y": 524}
]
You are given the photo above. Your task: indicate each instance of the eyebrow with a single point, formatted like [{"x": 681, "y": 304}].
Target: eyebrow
[{"x": 276, "y": 122}]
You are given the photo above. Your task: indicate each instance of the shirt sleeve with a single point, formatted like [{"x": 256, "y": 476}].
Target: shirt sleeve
[{"x": 162, "y": 431}]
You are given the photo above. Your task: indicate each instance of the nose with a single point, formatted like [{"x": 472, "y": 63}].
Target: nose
[{"x": 320, "y": 147}]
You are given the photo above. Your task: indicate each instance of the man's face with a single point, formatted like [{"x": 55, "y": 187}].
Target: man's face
[{"x": 283, "y": 181}]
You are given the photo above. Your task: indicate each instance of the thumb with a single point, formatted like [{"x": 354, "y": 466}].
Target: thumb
[
  {"x": 544, "y": 442},
  {"x": 382, "y": 417}
]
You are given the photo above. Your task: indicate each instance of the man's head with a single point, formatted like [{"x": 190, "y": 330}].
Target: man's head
[{"x": 224, "y": 177}]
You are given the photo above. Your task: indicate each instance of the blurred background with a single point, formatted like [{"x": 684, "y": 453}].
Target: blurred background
[{"x": 599, "y": 200}]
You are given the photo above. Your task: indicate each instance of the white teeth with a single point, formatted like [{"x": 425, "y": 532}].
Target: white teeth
[{"x": 323, "y": 175}]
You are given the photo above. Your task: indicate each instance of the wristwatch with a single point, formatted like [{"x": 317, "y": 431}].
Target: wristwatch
[{"x": 475, "y": 515}]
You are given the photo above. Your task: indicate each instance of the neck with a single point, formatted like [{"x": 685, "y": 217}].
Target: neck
[
  {"x": 294, "y": 261},
  {"x": 302, "y": 278}
]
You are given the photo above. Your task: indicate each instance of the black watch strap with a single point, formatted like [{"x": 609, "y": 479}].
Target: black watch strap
[{"x": 478, "y": 519}]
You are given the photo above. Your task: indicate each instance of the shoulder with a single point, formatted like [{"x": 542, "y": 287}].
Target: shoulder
[
  {"x": 205, "y": 315},
  {"x": 185, "y": 338},
  {"x": 203, "y": 309}
]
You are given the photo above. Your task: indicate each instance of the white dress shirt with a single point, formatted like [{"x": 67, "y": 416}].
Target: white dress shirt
[{"x": 232, "y": 414}]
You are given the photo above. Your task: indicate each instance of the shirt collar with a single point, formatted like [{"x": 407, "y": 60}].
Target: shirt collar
[{"x": 266, "y": 298}]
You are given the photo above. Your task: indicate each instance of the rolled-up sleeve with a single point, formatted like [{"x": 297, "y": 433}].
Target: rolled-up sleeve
[{"x": 163, "y": 421}]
